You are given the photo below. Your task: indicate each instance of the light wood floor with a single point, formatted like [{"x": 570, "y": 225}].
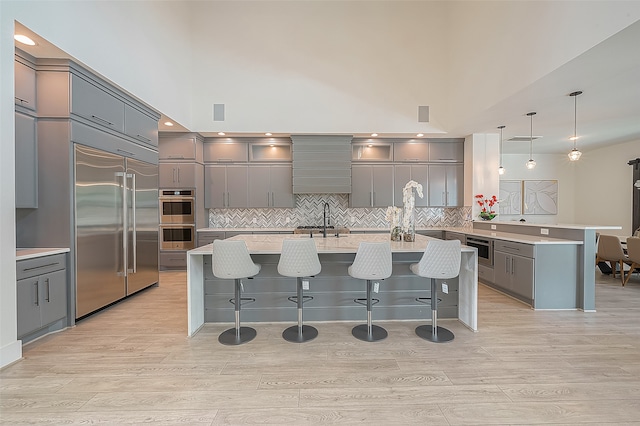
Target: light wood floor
[{"x": 133, "y": 363}]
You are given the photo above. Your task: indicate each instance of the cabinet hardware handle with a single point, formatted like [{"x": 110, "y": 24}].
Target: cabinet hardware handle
[
  {"x": 40, "y": 266},
  {"x": 143, "y": 138},
  {"x": 95, "y": 117},
  {"x": 37, "y": 293},
  {"x": 512, "y": 268},
  {"x": 126, "y": 152},
  {"x": 48, "y": 296},
  {"x": 273, "y": 203},
  {"x": 178, "y": 168},
  {"x": 22, "y": 100}
]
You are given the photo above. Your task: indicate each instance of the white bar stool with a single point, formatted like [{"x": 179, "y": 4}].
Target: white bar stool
[
  {"x": 440, "y": 261},
  {"x": 372, "y": 262},
  {"x": 231, "y": 260},
  {"x": 299, "y": 258}
]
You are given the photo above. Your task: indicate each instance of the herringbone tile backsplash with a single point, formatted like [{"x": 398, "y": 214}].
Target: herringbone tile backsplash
[{"x": 309, "y": 210}]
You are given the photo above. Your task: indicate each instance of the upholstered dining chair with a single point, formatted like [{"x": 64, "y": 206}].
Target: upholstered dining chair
[
  {"x": 610, "y": 250},
  {"x": 633, "y": 252}
]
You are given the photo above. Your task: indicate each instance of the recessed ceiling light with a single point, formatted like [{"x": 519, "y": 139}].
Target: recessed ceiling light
[
  {"x": 267, "y": 134},
  {"x": 374, "y": 134},
  {"x": 420, "y": 135},
  {"x": 168, "y": 123},
  {"x": 370, "y": 145},
  {"x": 24, "y": 39},
  {"x": 221, "y": 133}
]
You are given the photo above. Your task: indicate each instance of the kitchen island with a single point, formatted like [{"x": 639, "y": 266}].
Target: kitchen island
[{"x": 333, "y": 289}]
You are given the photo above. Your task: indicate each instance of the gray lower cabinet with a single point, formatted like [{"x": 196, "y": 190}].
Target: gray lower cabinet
[
  {"x": 449, "y": 235},
  {"x": 432, "y": 234},
  {"x": 208, "y": 237},
  {"x": 26, "y": 146},
  {"x": 371, "y": 185},
  {"x": 446, "y": 185},
  {"x": 271, "y": 186},
  {"x": 177, "y": 175},
  {"x": 226, "y": 186},
  {"x": 41, "y": 292},
  {"x": 514, "y": 274},
  {"x": 170, "y": 260}
]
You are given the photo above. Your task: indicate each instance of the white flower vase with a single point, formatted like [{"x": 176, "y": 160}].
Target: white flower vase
[{"x": 410, "y": 231}]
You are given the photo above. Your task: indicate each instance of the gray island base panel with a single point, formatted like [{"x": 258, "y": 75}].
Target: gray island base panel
[{"x": 333, "y": 289}]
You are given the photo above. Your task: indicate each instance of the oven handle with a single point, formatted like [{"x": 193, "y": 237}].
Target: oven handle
[{"x": 479, "y": 242}]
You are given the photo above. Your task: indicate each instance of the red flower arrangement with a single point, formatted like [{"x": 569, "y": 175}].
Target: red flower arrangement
[{"x": 487, "y": 212}]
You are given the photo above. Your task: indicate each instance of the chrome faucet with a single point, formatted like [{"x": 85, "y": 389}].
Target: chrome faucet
[{"x": 326, "y": 219}]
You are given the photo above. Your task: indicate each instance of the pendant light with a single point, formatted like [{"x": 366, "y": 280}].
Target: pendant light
[
  {"x": 501, "y": 170},
  {"x": 531, "y": 164},
  {"x": 574, "y": 155}
]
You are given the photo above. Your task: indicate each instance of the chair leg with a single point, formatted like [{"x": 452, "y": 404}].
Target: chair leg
[
  {"x": 434, "y": 333},
  {"x": 369, "y": 332},
  {"x": 633, "y": 267},
  {"x": 237, "y": 335},
  {"x": 300, "y": 333}
]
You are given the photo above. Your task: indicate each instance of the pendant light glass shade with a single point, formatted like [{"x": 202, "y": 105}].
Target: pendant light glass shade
[
  {"x": 531, "y": 164},
  {"x": 575, "y": 154},
  {"x": 501, "y": 170}
]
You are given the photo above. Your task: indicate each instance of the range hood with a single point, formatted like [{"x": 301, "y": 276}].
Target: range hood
[{"x": 321, "y": 164}]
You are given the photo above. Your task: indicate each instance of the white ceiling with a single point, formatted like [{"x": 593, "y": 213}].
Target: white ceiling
[{"x": 608, "y": 111}]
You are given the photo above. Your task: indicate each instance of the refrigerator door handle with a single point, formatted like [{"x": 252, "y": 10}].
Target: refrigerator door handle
[
  {"x": 133, "y": 219},
  {"x": 125, "y": 224}
]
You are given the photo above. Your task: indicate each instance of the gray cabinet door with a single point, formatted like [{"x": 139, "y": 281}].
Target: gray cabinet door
[
  {"x": 437, "y": 186},
  {"x": 403, "y": 151},
  {"x": 259, "y": 186},
  {"x": 282, "y": 187},
  {"x": 177, "y": 148},
  {"x": 361, "y": 186},
  {"x": 28, "y": 300},
  {"x": 382, "y": 185},
  {"x": 226, "y": 152},
  {"x": 140, "y": 126},
  {"x": 237, "y": 187},
  {"x": 455, "y": 185},
  {"x": 401, "y": 175},
  {"x": 522, "y": 276},
  {"x": 215, "y": 187},
  {"x": 502, "y": 270},
  {"x": 25, "y": 85},
  {"x": 53, "y": 296},
  {"x": 177, "y": 175},
  {"x": 94, "y": 104},
  {"x": 26, "y": 161},
  {"x": 446, "y": 151},
  {"x": 420, "y": 174}
]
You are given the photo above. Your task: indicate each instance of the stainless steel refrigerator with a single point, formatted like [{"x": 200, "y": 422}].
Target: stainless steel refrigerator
[{"x": 116, "y": 208}]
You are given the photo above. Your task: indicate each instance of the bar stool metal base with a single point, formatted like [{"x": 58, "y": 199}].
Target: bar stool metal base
[
  {"x": 230, "y": 337},
  {"x": 440, "y": 336},
  {"x": 293, "y": 335},
  {"x": 362, "y": 332}
]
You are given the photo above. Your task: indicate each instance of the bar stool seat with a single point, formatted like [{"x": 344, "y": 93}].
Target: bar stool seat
[
  {"x": 231, "y": 260},
  {"x": 440, "y": 261},
  {"x": 299, "y": 259},
  {"x": 372, "y": 262}
]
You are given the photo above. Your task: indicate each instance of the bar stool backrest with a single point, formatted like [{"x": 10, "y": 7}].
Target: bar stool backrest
[
  {"x": 372, "y": 262},
  {"x": 440, "y": 260},
  {"x": 231, "y": 259},
  {"x": 299, "y": 258}
]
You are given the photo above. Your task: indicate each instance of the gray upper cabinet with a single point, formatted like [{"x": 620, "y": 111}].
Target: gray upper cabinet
[
  {"x": 446, "y": 152},
  {"x": 409, "y": 151},
  {"x": 26, "y": 147},
  {"x": 180, "y": 148},
  {"x": 177, "y": 175},
  {"x": 226, "y": 186},
  {"x": 96, "y": 105},
  {"x": 140, "y": 126},
  {"x": 371, "y": 152},
  {"x": 371, "y": 185},
  {"x": 222, "y": 152},
  {"x": 403, "y": 173},
  {"x": 25, "y": 85},
  {"x": 446, "y": 185},
  {"x": 271, "y": 186}
]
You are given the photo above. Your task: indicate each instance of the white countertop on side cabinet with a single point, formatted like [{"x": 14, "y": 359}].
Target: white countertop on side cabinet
[{"x": 31, "y": 253}]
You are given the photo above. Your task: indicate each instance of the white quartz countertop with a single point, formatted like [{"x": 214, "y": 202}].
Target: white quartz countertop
[
  {"x": 506, "y": 236},
  {"x": 272, "y": 243},
  {"x": 31, "y": 253},
  {"x": 557, "y": 225}
]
